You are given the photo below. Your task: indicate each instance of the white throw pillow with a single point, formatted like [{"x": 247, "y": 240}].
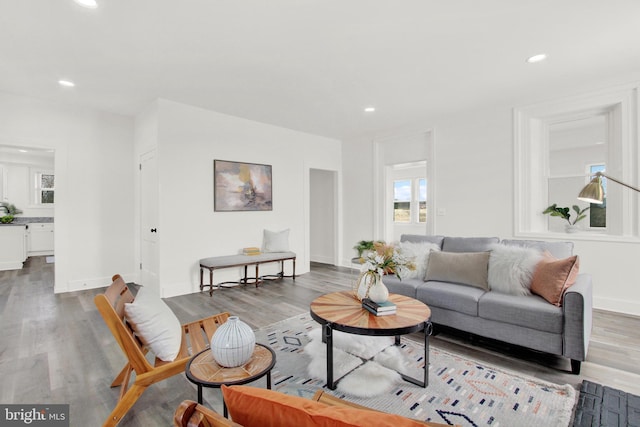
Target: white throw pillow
[
  {"x": 420, "y": 254},
  {"x": 511, "y": 269},
  {"x": 155, "y": 323},
  {"x": 275, "y": 241}
]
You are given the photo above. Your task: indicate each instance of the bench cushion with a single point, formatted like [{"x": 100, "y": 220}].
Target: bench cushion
[{"x": 233, "y": 260}]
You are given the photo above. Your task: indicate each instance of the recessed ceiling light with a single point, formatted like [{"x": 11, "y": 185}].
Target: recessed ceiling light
[
  {"x": 369, "y": 109},
  {"x": 66, "y": 83},
  {"x": 90, "y": 4},
  {"x": 537, "y": 58},
  {"x": 23, "y": 151}
]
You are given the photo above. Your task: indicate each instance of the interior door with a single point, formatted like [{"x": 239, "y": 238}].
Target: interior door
[{"x": 149, "y": 253}]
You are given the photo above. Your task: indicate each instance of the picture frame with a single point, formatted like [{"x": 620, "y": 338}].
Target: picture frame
[{"x": 239, "y": 186}]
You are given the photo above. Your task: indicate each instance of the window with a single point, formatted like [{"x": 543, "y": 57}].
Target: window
[
  {"x": 559, "y": 144},
  {"x": 402, "y": 201},
  {"x": 598, "y": 213},
  {"x": 45, "y": 187},
  {"x": 422, "y": 199},
  {"x": 410, "y": 200}
]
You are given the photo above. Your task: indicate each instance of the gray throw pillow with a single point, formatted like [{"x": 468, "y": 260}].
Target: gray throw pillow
[{"x": 466, "y": 268}]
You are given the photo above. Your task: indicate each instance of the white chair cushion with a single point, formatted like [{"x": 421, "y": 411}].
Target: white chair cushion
[{"x": 155, "y": 323}]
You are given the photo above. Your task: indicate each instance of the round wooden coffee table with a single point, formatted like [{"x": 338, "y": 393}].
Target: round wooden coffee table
[
  {"x": 342, "y": 311},
  {"x": 204, "y": 371}
]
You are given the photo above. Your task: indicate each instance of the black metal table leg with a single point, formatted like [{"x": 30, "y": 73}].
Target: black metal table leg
[
  {"x": 327, "y": 336},
  {"x": 199, "y": 394},
  {"x": 428, "y": 330}
]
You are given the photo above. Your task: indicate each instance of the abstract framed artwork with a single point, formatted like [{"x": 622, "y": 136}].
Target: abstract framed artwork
[{"x": 241, "y": 187}]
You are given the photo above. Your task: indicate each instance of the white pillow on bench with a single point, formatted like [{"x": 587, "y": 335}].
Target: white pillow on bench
[{"x": 275, "y": 241}]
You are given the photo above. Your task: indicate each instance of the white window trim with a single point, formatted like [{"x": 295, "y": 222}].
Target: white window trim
[
  {"x": 36, "y": 195},
  {"x": 531, "y": 168}
]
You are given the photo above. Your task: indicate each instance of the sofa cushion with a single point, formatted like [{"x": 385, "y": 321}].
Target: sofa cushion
[
  {"x": 468, "y": 244},
  {"x": 553, "y": 277},
  {"x": 466, "y": 268},
  {"x": 450, "y": 296},
  {"x": 419, "y": 252},
  {"x": 557, "y": 249},
  {"x": 527, "y": 311},
  {"x": 419, "y": 238},
  {"x": 406, "y": 287},
  {"x": 258, "y": 407},
  {"x": 511, "y": 268}
]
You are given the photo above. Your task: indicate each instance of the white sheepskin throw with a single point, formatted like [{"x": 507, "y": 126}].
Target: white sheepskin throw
[
  {"x": 369, "y": 380},
  {"x": 366, "y": 366},
  {"x": 511, "y": 269},
  {"x": 420, "y": 254}
]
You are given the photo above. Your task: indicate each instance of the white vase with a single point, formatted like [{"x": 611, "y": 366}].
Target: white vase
[
  {"x": 232, "y": 343},
  {"x": 378, "y": 292},
  {"x": 572, "y": 228},
  {"x": 364, "y": 282}
]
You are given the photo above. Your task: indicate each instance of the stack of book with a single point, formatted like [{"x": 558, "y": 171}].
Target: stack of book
[
  {"x": 379, "y": 308},
  {"x": 251, "y": 251}
]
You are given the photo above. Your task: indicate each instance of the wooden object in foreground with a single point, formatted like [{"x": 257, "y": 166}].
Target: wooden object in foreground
[
  {"x": 195, "y": 335},
  {"x": 192, "y": 414}
]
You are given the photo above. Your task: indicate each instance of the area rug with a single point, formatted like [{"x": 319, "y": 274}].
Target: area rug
[
  {"x": 461, "y": 391},
  {"x": 603, "y": 406}
]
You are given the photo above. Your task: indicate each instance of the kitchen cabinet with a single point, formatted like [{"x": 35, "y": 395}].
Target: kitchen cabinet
[
  {"x": 40, "y": 239},
  {"x": 12, "y": 247}
]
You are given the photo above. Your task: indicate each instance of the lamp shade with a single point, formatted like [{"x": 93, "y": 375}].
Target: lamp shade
[{"x": 593, "y": 191}]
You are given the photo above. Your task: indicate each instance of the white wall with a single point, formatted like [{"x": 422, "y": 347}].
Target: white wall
[
  {"x": 474, "y": 183},
  {"x": 94, "y": 196},
  {"x": 189, "y": 139}
]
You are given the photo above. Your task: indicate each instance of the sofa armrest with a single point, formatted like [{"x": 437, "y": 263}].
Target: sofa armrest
[{"x": 577, "y": 306}]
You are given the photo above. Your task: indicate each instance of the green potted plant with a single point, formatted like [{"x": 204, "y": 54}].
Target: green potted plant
[
  {"x": 362, "y": 246},
  {"x": 10, "y": 212},
  {"x": 565, "y": 213}
]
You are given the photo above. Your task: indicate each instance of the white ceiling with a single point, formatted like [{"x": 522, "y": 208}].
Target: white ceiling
[{"x": 313, "y": 65}]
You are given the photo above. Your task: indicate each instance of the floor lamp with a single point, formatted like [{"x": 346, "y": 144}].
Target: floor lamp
[{"x": 593, "y": 191}]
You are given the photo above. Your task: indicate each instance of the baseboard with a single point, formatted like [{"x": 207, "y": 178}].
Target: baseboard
[
  {"x": 617, "y": 305},
  {"x": 321, "y": 259},
  {"x": 93, "y": 283}
]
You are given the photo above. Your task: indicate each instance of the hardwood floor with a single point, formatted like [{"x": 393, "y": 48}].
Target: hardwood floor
[{"x": 57, "y": 349}]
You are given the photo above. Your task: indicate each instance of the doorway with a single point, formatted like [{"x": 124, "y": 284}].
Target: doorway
[{"x": 322, "y": 216}]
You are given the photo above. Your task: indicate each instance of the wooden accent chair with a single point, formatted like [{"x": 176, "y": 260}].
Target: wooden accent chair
[
  {"x": 192, "y": 414},
  {"x": 195, "y": 337}
]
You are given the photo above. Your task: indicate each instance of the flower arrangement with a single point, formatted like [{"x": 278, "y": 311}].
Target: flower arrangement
[
  {"x": 383, "y": 259},
  {"x": 386, "y": 259}
]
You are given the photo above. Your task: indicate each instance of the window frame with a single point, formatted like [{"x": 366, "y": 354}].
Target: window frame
[
  {"x": 531, "y": 161},
  {"x": 36, "y": 176}
]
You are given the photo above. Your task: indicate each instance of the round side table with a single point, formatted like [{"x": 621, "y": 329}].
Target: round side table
[{"x": 204, "y": 371}]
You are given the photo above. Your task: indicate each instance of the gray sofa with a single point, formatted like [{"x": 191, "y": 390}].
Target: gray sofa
[{"x": 527, "y": 321}]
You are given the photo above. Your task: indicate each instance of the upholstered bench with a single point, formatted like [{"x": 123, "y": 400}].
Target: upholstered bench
[{"x": 229, "y": 261}]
